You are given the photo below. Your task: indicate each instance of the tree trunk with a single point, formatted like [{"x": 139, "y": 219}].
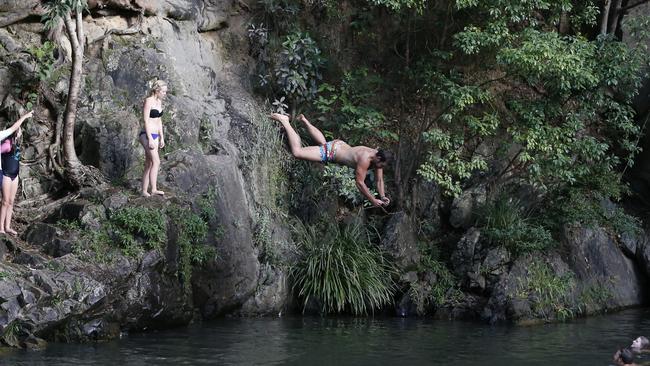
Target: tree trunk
[
  {"x": 76, "y": 173},
  {"x": 613, "y": 25},
  {"x": 604, "y": 20}
]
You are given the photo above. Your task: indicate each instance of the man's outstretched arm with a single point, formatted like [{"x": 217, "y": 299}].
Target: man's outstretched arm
[
  {"x": 360, "y": 176},
  {"x": 379, "y": 174}
]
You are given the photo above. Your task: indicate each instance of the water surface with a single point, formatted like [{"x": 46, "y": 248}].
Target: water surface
[{"x": 355, "y": 341}]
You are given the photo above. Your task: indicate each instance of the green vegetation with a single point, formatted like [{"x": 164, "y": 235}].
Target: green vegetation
[
  {"x": 192, "y": 232},
  {"x": 436, "y": 286},
  {"x": 205, "y": 204},
  {"x": 341, "y": 270},
  {"x": 11, "y": 332},
  {"x": 548, "y": 293},
  {"x": 147, "y": 224},
  {"x": 591, "y": 209},
  {"x": 132, "y": 230},
  {"x": 536, "y": 86},
  {"x": 293, "y": 75},
  {"x": 505, "y": 221},
  {"x": 597, "y": 295},
  {"x": 352, "y": 108},
  {"x": 341, "y": 180}
]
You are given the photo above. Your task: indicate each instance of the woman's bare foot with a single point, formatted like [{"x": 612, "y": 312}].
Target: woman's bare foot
[
  {"x": 12, "y": 232},
  {"x": 2, "y": 232},
  {"x": 145, "y": 194},
  {"x": 280, "y": 117},
  {"x": 161, "y": 193}
]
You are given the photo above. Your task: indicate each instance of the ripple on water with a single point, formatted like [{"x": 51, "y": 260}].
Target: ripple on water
[{"x": 355, "y": 341}]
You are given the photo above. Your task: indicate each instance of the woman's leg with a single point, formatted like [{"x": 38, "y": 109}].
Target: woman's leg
[
  {"x": 147, "y": 166},
  {"x": 6, "y": 192},
  {"x": 10, "y": 210},
  {"x": 311, "y": 153},
  {"x": 314, "y": 132},
  {"x": 155, "y": 166}
]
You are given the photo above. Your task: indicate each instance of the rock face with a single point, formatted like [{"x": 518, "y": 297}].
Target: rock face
[
  {"x": 594, "y": 276},
  {"x": 198, "y": 48}
]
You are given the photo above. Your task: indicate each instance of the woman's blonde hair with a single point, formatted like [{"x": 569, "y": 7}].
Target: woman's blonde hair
[{"x": 156, "y": 86}]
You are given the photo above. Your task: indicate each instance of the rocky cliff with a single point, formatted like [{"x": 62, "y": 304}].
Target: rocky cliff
[{"x": 58, "y": 280}]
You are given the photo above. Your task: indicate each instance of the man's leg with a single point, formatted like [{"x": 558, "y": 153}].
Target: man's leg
[
  {"x": 313, "y": 131},
  {"x": 311, "y": 153}
]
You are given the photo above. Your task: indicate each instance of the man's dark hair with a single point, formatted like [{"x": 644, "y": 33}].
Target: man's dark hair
[
  {"x": 627, "y": 356},
  {"x": 385, "y": 156}
]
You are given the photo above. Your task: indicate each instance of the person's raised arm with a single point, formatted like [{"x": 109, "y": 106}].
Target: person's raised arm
[
  {"x": 146, "y": 109},
  {"x": 6, "y": 133},
  {"x": 360, "y": 176}
]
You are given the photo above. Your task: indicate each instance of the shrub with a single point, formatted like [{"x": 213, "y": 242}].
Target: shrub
[
  {"x": 443, "y": 289},
  {"x": 548, "y": 293},
  {"x": 504, "y": 221},
  {"x": 192, "y": 232},
  {"x": 341, "y": 269},
  {"x": 129, "y": 223}
]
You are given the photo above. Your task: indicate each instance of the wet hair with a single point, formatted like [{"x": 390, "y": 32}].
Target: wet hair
[
  {"x": 627, "y": 356},
  {"x": 644, "y": 342},
  {"x": 156, "y": 86},
  {"x": 385, "y": 156}
]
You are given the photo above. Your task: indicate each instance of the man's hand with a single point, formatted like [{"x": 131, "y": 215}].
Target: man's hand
[
  {"x": 385, "y": 200},
  {"x": 377, "y": 203}
]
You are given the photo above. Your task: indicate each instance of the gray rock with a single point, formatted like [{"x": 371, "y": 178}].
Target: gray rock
[
  {"x": 400, "y": 241},
  {"x": 58, "y": 247},
  {"x": 597, "y": 260},
  {"x": 33, "y": 343},
  {"x": 115, "y": 201},
  {"x": 92, "y": 216},
  {"x": 464, "y": 258},
  {"x": 8, "y": 289},
  {"x": 40, "y": 233},
  {"x": 464, "y": 207}
]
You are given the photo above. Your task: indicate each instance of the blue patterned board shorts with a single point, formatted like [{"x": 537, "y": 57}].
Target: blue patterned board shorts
[{"x": 328, "y": 151}]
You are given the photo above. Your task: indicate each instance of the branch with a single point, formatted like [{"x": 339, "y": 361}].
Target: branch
[
  {"x": 80, "y": 30},
  {"x": 72, "y": 34},
  {"x": 626, "y": 8},
  {"x": 605, "y": 19}
]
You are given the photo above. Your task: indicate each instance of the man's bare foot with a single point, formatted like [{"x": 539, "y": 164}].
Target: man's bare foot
[
  {"x": 2, "y": 232},
  {"x": 145, "y": 194},
  {"x": 12, "y": 232},
  {"x": 280, "y": 117},
  {"x": 161, "y": 193}
]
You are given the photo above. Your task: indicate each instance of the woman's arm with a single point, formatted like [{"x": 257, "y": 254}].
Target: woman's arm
[
  {"x": 6, "y": 133},
  {"x": 162, "y": 137},
  {"x": 146, "y": 109}
]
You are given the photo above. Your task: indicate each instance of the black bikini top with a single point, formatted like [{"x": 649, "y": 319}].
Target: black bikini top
[{"x": 154, "y": 113}]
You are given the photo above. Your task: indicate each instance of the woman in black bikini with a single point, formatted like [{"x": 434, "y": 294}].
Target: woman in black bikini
[
  {"x": 10, "y": 160},
  {"x": 152, "y": 137}
]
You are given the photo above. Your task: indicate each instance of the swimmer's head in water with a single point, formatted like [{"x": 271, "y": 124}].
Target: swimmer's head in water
[{"x": 641, "y": 342}]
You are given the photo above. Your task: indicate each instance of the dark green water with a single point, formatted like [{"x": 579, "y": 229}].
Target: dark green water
[{"x": 349, "y": 341}]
